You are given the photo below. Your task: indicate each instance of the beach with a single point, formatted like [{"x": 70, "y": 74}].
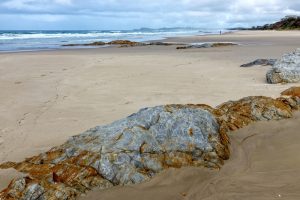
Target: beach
[{"x": 48, "y": 96}]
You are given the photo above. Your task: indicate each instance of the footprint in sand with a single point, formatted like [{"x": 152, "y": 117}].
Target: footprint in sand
[{"x": 18, "y": 82}]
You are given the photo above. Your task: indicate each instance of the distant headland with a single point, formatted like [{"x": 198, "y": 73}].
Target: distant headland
[{"x": 291, "y": 22}]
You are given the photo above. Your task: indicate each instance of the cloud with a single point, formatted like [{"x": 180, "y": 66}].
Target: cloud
[
  {"x": 127, "y": 14},
  {"x": 63, "y": 2}
]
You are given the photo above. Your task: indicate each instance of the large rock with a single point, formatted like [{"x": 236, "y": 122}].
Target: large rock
[
  {"x": 136, "y": 148},
  {"x": 286, "y": 69},
  {"x": 127, "y": 151}
]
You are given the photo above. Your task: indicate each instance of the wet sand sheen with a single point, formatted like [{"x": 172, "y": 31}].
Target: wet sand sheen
[{"x": 264, "y": 165}]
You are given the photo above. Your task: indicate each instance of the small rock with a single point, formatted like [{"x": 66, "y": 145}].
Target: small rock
[{"x": 263, "y": 62}]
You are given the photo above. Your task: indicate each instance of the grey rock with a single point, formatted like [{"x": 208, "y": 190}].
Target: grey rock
[
  {"x": 263, "y": 62},
  {"x": 17, "y": 187},
  {"x": 133, "y": 149},
  {"x": 162, "y": 43},
  {"x": 286, "y": 69},
  {"x": 207, "y": 45},
  {"x": 34, "y": 192}
]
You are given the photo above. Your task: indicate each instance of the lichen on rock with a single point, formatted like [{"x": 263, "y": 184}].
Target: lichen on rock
[
  {"x": 134, "y": 149},
  {"x": 286, "y": 69}
]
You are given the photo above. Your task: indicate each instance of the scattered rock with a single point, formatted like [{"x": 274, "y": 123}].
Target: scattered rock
[
  {"x": 207, "y": 45},
  {"x": 263, "y": 62},
  {"x": 163, "y": 43},
  {"x": 184, "y": 194},
  {"x": 124, "y": 42},
  {"x": 18, "y": 82},
  {"x": 286, "y": 69},
  {"x": 128, "y": 43},
  {"x": 136, "y": 148},
  {"x": 95, "y": 44},
  {"x": 152, "y": 44},
  {"x": 99, "y": 43}
]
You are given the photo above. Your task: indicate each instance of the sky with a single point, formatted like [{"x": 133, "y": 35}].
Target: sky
[{"x": 131, "y": 14}]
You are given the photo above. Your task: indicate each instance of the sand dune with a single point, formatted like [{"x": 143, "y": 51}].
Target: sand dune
[{"x": 264, "y": 165}]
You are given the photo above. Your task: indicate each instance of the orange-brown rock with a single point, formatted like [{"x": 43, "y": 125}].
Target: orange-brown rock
[
  {"x": 123, "y": 42},
  {"x": 293, "y": 91},
  {"x": 134, "y": 149}
]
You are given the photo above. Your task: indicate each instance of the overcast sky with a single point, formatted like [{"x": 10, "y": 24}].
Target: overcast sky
[{"x": 129, "y": 14}]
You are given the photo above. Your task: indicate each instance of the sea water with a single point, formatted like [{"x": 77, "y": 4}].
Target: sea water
[{"x": 31, "y": 40}]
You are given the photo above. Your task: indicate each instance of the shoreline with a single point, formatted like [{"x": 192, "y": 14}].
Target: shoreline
[
  {"x": 166, "y": 39},
  {"x": 81, "y": 46}
]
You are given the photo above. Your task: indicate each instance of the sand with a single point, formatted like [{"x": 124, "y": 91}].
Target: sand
[{"x": 48, "y": 96}]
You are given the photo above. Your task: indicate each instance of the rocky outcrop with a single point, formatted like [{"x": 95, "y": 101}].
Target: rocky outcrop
[
  {"x": 124, "y": 42},
  {"x": 263, "y": 62},
  {"x": 286, "y": 69},
  {"x": 134, "y": 149},
  {"x": 128, "y": 43},
  {"x": 114, "y": 42},
  {"x": 207, "y": 45},
  {"x": 99, "y": 43},
  {"x": 163, "y": 43}
]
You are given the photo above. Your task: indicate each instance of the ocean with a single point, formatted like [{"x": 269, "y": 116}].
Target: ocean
[{"x": 32, "y": 40}]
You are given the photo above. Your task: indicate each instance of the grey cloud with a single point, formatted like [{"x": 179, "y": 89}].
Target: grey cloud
[{"x": 116, "y": 14}]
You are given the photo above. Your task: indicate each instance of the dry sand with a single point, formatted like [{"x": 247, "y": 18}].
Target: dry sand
[{"x": 48, "y": 96}]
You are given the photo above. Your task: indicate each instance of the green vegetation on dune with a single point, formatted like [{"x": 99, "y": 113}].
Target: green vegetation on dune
[{"x": 286, "y": 23}]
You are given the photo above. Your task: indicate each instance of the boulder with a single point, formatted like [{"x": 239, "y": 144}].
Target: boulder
[
  {"x": 136, "y": 148},
  {"x": 128, "y": 151},
  {"x": 286, "y": 69}
]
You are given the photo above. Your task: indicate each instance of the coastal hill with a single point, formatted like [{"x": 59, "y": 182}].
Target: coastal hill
[
  {"x": 291, "y": 22},
  {"x": 286, "y": 23}
]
